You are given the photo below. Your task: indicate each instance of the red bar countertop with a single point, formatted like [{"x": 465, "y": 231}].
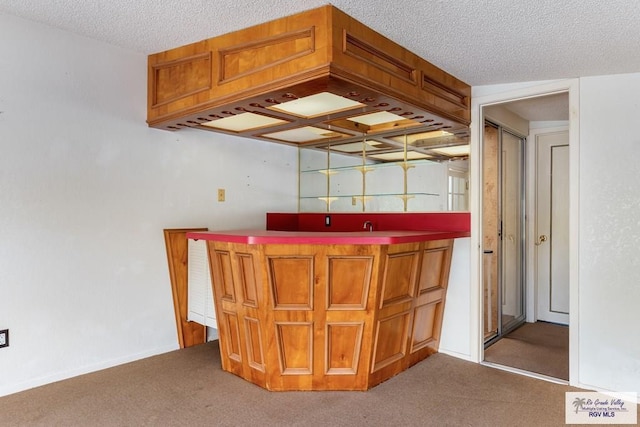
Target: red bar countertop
[{"x": 259, "y": 237}]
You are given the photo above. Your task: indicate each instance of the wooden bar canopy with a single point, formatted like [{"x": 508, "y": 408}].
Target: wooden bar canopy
[{"x": 225, "y": 83}]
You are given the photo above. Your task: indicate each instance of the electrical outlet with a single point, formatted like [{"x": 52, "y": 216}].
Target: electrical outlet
[
  {"x": 4, "y": 338},
  {"x": 221, "y": 194}
]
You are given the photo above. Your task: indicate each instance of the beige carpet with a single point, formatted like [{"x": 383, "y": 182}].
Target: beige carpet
[
  {"x": 188, "y": 388},
  {"x": 538, "y": 347}
]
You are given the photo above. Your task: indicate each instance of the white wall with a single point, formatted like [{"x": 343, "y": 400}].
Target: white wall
[
  {"x": 610, "y": 232},
  {"x": 606, "y": 292},
  {"x": 455, "y": 336},
  {"x": 86, "y": 189}
]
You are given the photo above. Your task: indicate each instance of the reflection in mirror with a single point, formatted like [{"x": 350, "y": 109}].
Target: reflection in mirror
[{"x": 423, "y": 171}]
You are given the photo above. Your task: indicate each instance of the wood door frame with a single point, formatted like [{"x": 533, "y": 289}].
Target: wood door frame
[{"x": 499, "y": 95}]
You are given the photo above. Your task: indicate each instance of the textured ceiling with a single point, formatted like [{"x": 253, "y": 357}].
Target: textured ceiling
[{"x": 480, "y": 42}]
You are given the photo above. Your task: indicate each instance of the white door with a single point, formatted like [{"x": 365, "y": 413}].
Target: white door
[{"x": 552, "y": 226}]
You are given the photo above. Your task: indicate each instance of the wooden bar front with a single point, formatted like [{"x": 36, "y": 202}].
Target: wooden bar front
[{"x": 328, "y": 317}]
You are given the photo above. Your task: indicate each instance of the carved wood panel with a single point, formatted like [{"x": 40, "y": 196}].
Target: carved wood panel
[
  {"x": 399, "y": 278},
  {"x": 431, "y": 271},
  {"x": 255, "y": 352},
  {"x": 342, "y": 347},
  {"x": 348, "y": 281},
  {"x": 226, "y": 276},
  {"x": 248, "y": 283},
  {"x": 173, "y": 80},
  {"x": 261, "y": 53},
  {"x": 232, "y": 335},
  {"x": 291, "y": 282},
  {"x": 423, "y": 326},
  {"x": 295, "y": 347},
  {"x": 390, "y": 340}
]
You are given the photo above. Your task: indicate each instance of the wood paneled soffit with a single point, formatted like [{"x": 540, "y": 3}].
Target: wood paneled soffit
[{"x": 256, "y": 70}]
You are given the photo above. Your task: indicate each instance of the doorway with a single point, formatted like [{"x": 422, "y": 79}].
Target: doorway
[{"x": 525, "y": 243}]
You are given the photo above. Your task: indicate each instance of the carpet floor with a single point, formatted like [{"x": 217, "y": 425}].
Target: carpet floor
[
  {"x": 188, "y": 388},
  {"x": 539, "y": 347}
]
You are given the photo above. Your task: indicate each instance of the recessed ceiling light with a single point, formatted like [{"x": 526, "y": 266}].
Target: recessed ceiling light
[
  {"x": 244, "y": 122},
  {"x": 378, "y": 118},
  {"x": 316, "y": 105},
  {"x": 412, "y": 138},
  {"x": 304, "y": 134},
  {"x": 411, "y": 155},
  {"x": 454, "y": 151}
]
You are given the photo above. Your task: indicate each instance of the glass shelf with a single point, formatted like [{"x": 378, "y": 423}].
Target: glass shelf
[
  {"x": 338, "y": 183},
  {"x": 368, "y": 167}
]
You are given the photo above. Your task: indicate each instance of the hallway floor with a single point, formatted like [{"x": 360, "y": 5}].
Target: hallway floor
[{"x": 539, "y": 347}]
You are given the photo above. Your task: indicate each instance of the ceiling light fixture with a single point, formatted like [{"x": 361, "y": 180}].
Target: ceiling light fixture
[
  {"x": 317, "y": 105},
  {"x": 454, "y": 151}
]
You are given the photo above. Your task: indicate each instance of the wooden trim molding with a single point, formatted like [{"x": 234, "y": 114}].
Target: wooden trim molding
[
  {"x": 368, "y": 53},
  {"x": 445, "y": 92}
]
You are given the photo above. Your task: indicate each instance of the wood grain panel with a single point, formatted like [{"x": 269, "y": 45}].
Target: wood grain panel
[
  {"x": 348, "y": 282},
  {"x": 295, "y": 347},
  {"x": 255, "y": 353},
  {"x": 176, "y": 243},
  {"x": 248, "y": 58},
  {"x": 232, "y": 335},
  {"x": 226, "y": 276},
  {"x": 247, "y": 277},
  {"x": 181, "y": 78},
  {"x": 343, "y": 345},
  {"x": 431, "y": 271},
  {"x": 390, "y": 342},
  {"x": 291, "y": 282},
  {"x": 399, "y": 277},
  {"x": 424, "y": 321}
]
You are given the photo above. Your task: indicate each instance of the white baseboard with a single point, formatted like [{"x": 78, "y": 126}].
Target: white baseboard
[{"x": 59, "y": 376}]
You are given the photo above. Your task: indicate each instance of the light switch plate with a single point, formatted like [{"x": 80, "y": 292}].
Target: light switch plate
[
  {"x": 221, "y": 194},
  {"x": 4, "y": 338}
]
